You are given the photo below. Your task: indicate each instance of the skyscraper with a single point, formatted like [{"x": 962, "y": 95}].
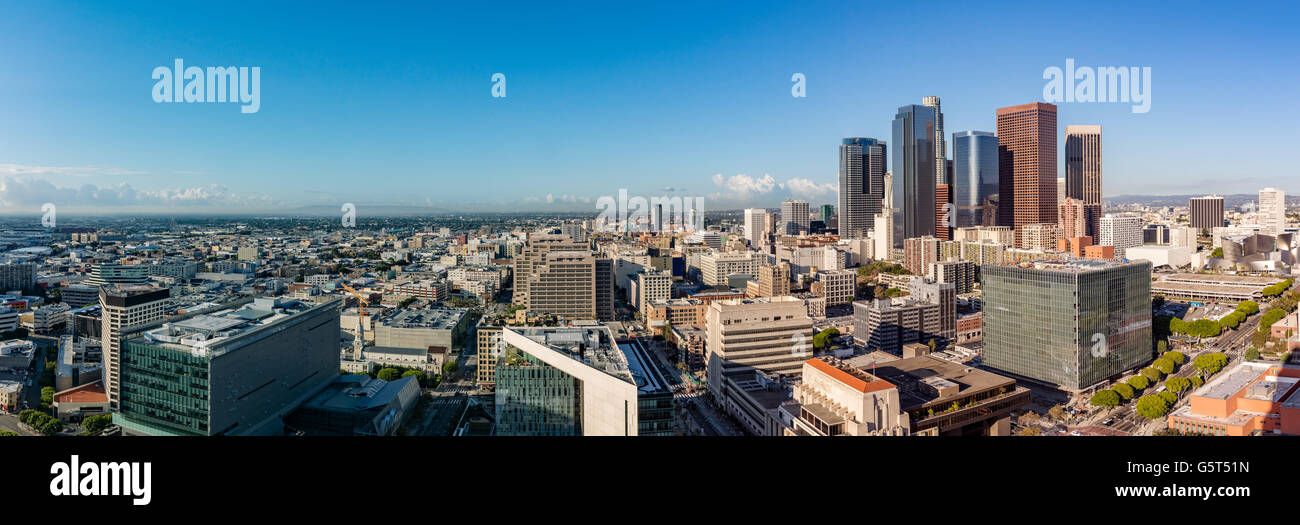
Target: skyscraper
[
  {"x": 862, "y": 185},
  {"x": 755, "y": 226},
  {"x": 794, "y": 217},
  {"x": 1272, "y": 211},
  {"x": 1206, "y": 212},
  {"x": 1027, "y": 164},
  {"x": 125, "y": 307},
  {"x": 826, "y": 212},
  {"x": 1122, "y": 232},
  {"x": 940, "y": 149},
  {"x": 975, "y": 178},
  {"x": 914, "y": 173},
  {"x": 1083, "y": 163}
]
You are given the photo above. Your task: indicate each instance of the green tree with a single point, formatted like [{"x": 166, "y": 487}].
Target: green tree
[
  {"x": 450, "y": 367},
  {"x": 1175, "y": 356},
  {"x": 1252, "y": 354},
  {"x": 419, "y": 375},
  {"x": 1152, "y": 407},
  {"x": 1165, "y": 366},
  {"x": 96, "y": 424},
  {"x": 389, "y": 374},
  {"x": 1248, "y": 307},
  {"x": 1196, "y": 381},
  {"x": 1162, "y": 346},
  {"x": 8, "y": 433},
  {"x": 1218, "y": 253},
  {"x": 1105, "y": 398},
  {"x": 1152, "y": 374},
  {"x": 1169, "y": 397},
  {"x": 1139, "y": 383},
  {"x": 1125, "y": 391},
  {"x": 820, "y": 340},
  {"x": 1178, "y": 384},
  {"x": 1210, "y": 363}
]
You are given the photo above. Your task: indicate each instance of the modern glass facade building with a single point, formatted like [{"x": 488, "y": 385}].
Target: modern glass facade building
[
  {"x": 236, "y": 370},
  {"x": 578, "y": 381},
  {"x": 975, "y": 178},
  {"x": 862, "y": 185},
  {"x": 1072, "y": 324},
  {"x": 914, "y": 173}
]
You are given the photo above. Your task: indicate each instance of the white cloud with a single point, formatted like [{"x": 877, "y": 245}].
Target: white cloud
[
  {"x": 810, "y": 189},
  {"x": 18, "y": 192},
  {"x": 71, "y": 171}
]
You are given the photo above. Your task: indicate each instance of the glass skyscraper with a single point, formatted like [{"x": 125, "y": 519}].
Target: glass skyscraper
[
  {"x": 862, "y": 185},
  {"x": 975, "y": 178},
  {"x": 914, "y": 173},
  {"x": 1072, "y": 324}
]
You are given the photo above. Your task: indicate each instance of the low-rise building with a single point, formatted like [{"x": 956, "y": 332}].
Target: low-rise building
[{"x": 1249, "y": 398}]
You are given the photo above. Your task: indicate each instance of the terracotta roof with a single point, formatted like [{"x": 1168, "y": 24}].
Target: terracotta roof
[
  {"x": 87, "y": 393},
  {"x": 849, "y": 379}
]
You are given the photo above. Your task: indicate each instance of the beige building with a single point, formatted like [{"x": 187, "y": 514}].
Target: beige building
[
  {"x": 835, "y": 399},
  {"x": 1040, "y": 237},
  {"x": 774, "y": 280},
  {"x": 716, "y": 266},
  {"x": 533, "y": 255},
  {"x": 772, "y": 334}
]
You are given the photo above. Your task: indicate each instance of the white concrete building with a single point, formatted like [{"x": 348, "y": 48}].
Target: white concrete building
[{"x": 1122, "y": 232}]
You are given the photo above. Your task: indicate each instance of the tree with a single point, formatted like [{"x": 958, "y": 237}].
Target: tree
[
  {"x": 1217, "y": 253},
  {"x": 1057, "y": 412},
  {"x": 1169, "y": 397},
  {"x": 1175, "y": 356},
  {"x": 1105, "y": 398},
  {"x": 1196, "y": 381},
  {"x": 8, "y": 433},
  {"x": 450, "y": 367},
  {"x": 823, "y": 337},
  {"x": 389, "y": 374},
  {"x": 1165, "y": 366},
  {"x": 419, "y": 375},
  {"x": 1210, "y": 363},
  {"x": 1248, "y": 307},
  {"x": 1252, "y": 354},
  {"x": 1152, "y": 407},
  {"x": 1162, "y": 346},
  {"x": 96, "y": 424},
  {"x": 1030, "y": 431},
  {"x": 1152, "y": 374},
  {"x": 1125, "y": 391},
  {"x": 1139, "y": 383},
  {"x": 1178, "y": 384}
]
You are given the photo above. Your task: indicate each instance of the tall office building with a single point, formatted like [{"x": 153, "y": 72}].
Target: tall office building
[
  {"x": 533, "y": 255},
  {"x": 17, "y": 276},
  {"x": 564, "y": 285},
  {"x": 975, "y": 178},
  {"x": 1027, "y": 164},
  {"x": 944, "y": 213},
  {"x": 773, "y": 334},
  {"x": 1078, "y": 219},
  {"x": 1272, "y": 211},
  {"x": 1206, "y": 212},
  {"x": 826, "y": 212},
  {"x": 578, "y": 381},
  {"x": 1083, "y": 163},
  {"x": 862, "y": 171},
  {"x": 774, "y": 280},
  {"x": 795, "y": 217},
  {"x": 107, "y": 273},
  {"x": 1072, "y": 324},
  {"x": 238, "y": 370},
  {"x": 1122, "y": 232},
  {"x": 755, "y": 225},
  {"x": 940, "y": 149},
  {"x": 914, "y": 173},
  {"x": 126, "y": 307}
]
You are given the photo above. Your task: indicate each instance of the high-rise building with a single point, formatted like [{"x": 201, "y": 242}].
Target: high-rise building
[
  {"x": 1083, "y": 163},
  {"x": 975, "y": 178},
  {"x": 772, "y": 334},
  {"x": 533, "y": 255},
  {"x": 17, "y": 276},
  {"x": 838, "y": 286},
  {"x": 961, "y": 274},
  {"x": 1041, "y": 237},
  {"x": 107, "y": 273},
  {"x": 1027, "y": 164},
  {"x": 795, "y": 217},
  {"x": 944, "y": 214},
  {"x": 1272, "y": 211},
  {"x": 888, "y": 324},
  {"x": 578, "y": 381},
  {"x": 940, "y": 149},
  {"x": 862, "y": 185},
  {"x": 944, "y": 295},
  {"x": 238, "y": 370},
  {"x": 919, "y": 253},
  {"x": 564, "y": 284},
  {"x": 1206, "y": 212},
  {"x": 826, "y": 211},
  {"x": 715, "y": 267},
  {"x": 126, "y": 307},
  {"x": 755, "y": 225},
  {"x": 1072, "y": 324},
  {"x": 914, "y": 172},
  {"x": 1121, "y": 231}
]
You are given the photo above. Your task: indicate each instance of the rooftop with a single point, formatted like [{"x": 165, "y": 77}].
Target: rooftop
[
  {"x": 431, "y": 318},
  {"x": 936, "y": 373},
  {"x": 209, "y": 331}
]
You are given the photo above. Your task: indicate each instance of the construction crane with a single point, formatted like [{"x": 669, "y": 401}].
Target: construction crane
[{"x": 358, "y": 344}]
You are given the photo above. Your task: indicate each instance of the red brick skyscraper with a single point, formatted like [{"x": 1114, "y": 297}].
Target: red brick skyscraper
[{"x": 1027, "y": 164}]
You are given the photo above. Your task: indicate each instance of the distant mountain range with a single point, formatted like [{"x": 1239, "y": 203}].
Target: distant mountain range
[{"x": 1229, "y": 201}]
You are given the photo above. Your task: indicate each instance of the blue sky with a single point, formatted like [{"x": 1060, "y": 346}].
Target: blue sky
[{"x": 381, "y": 103}]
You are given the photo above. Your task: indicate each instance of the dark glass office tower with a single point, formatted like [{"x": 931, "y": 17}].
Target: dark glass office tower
[
  {"x": 862, "y": 185},
  {"x": 975, "y": 178},
  {"x": 914, "y": 173}
]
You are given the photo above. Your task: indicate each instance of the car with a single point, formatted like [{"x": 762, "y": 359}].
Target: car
[
  {"x": 1075, "y": 433},
  {"x": 1108, "y": 421}
]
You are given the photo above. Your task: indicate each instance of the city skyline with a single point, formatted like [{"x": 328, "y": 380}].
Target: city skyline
[{"x": 389, "y": 123}]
